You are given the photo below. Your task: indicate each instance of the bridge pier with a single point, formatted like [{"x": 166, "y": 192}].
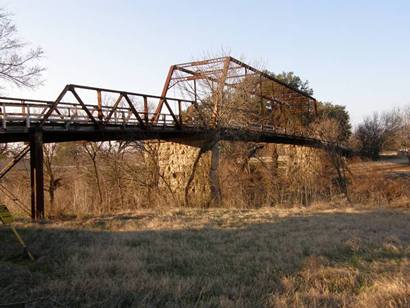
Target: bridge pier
[{"x": 36, "y": 174}]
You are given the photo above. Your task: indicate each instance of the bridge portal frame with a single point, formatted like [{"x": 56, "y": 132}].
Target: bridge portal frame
[{"x": 228, "y": 73}]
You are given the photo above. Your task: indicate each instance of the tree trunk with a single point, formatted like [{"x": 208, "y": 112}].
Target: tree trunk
[
  {"x": 97, "y": 179},
  {"x": 51, "y": 190},
  {"x": 191, "y": 177},
  {"x": 213, "y": 176}
]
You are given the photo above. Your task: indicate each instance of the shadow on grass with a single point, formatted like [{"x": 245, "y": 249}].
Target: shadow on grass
[{"x": 247, "y": 264}]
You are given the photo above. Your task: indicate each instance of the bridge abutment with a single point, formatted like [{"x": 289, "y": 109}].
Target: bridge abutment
[
  {"x": 298, "y": 170},
  {"x": 176, "y": 163},
  {"x": 36, "y": 174}
]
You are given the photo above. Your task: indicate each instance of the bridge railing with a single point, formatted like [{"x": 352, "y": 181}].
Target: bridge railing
[
  {"x": 125, "y": 108},
  {"x": 31, "y": 114}
]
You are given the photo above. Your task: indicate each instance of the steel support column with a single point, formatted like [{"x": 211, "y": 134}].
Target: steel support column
[{"x": 36, "y": 173}]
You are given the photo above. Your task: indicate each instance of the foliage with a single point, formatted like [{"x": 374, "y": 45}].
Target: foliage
[
  {"x": 294, "y": 81},
  {"x": 338, "y": 113}
]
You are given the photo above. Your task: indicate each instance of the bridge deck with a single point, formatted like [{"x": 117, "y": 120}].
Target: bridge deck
[{"x": 184, "y": 134}]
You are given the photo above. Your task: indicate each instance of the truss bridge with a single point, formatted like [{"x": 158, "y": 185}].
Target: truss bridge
[{"x": 202, "y": 101}]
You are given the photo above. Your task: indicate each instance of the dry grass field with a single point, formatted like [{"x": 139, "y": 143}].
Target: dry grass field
[
  {"x": 334, "y": 254},
  {"x": 213, "y": 258}
]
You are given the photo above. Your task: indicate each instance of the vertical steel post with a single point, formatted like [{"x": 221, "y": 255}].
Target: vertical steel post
[
  {"x": 23, "y": 108},
  {"x": 4, "y": 119},
  {"x": 99, "y": 107},
  {"x": 36, "y": 173},
  {"x": 146, "y": 110},
  {"x": 179, "y": 112},
  {"x": 195, "y": 95},
  {"x": 28, "y": 117}
]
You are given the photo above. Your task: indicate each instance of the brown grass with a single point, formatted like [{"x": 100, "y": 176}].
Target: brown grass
[
  {"x": 381, "y": 184},
  {"x": 213, "y": 258}
]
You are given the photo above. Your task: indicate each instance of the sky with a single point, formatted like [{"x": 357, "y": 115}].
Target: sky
[{"x": 354, "y": 53}]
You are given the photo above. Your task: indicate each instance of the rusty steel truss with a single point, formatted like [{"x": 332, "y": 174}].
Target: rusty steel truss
[
  {"x": 213, "y": 80},
  {"x": 221, "y": 97}
]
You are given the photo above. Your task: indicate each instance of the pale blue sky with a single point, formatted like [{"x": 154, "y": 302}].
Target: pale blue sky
[{"x": 354, "y": 53}]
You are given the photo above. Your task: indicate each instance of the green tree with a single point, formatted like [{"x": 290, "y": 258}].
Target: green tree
[
  {"x": 326, "y": 110},
  {"x": 294, "y": 81},
  {"x": 338, "y": 113}
]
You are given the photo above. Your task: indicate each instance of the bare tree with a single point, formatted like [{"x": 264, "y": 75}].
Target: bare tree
[
  {"x": 377, "y": 132},
  {"x": 144, "y": 171},
  {"x": 329, "y": 130},
  {"x": 54, "y": 182},
  {"x": 404, "y": 135},
  {"x": 92, "y": 149},
  {"x": 18, "y": 64},
  {"x": 114, "y": 156}
]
